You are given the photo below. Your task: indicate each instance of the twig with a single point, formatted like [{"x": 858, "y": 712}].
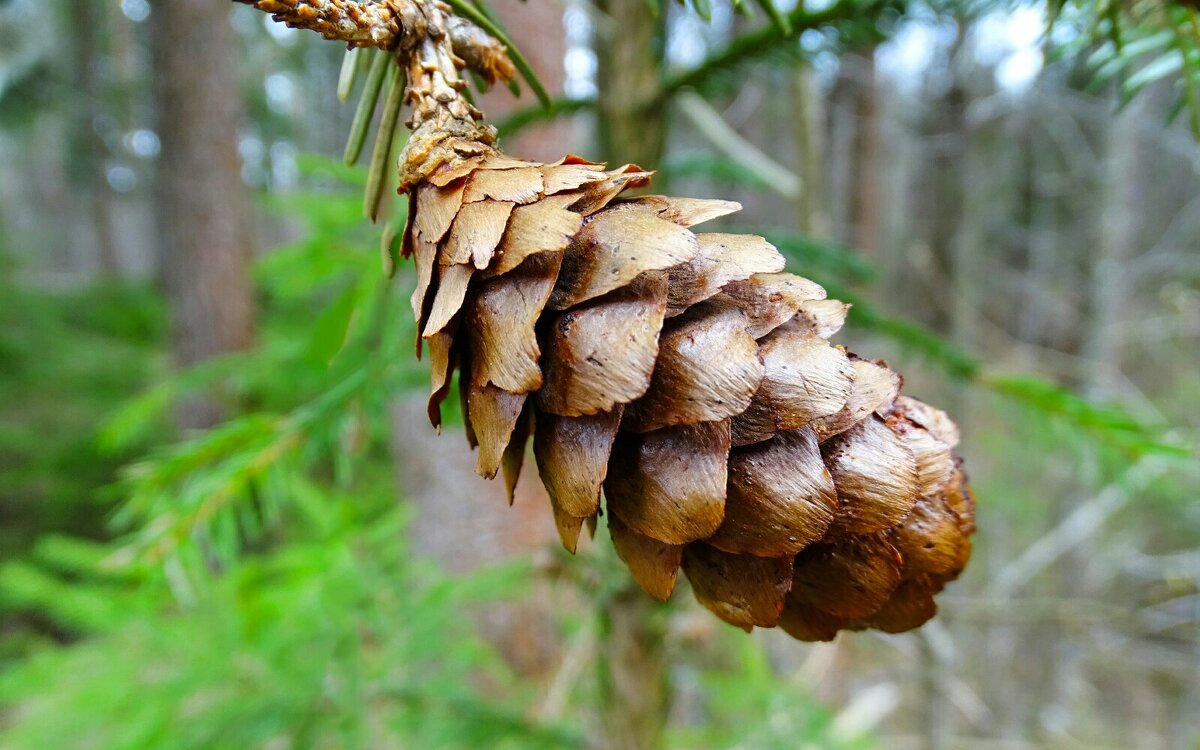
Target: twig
[
  {"x": 727, "y": 140},
  {"x": 1076, "y": 528},
  {"x": 357, "y": 24},
  {"x": 581, "y": 651},
  {"x": 756, "y": 44}
]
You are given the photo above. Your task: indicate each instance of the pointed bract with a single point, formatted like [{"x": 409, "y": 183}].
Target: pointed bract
[
  {"x": 687, "y": 212},
  {"x": 707, "y": 370},
  {"x": 494, "y": 413},
  {"x": 852, "y": 577},
  {"x": 602, "y": 355},
  {"x": 875, "y": 475},
  {"x": 615, "y": 248},
  {"x": 520, "y": 185},
  {"x": 542, "y": 227},
  {"x": 476, "y": 232},
  {"x": 504, "y": 345}
]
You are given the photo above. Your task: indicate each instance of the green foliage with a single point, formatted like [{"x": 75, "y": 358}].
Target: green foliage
[
  {"x": 1135, "y": 45},
  {"x": 339, "y": 641},
  {"x": 747, "y": 704},
  {"x": 851, "y": 21},
  {"x": 65, "y": 359},
  {"x": 309, "y": 402}
]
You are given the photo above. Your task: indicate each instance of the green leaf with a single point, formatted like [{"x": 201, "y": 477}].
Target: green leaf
[
  {"x": 743, "y": 10},
  {"x": 389, "y": 242},
  {"x": 1160, "y": 68},
  {"x": 366, "y": 107},
  {"x": 764, "y": 42},
  {"x": 777, "y": 18},
  {"x": 349, "y": 73},
  {"x": 329, "y": 331},
  {"x": 381, "y": 162},
  {"x": 1146, "y": 44},
  {"x": 1106, "y": 420}
]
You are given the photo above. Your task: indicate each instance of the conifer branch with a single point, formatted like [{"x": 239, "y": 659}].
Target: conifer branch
[
  {"x": 433, "y": 46},
  {"x": 392, "y": 24},
  {"x": 357, "y": 24},
  {"x": 766, "y": 40}
]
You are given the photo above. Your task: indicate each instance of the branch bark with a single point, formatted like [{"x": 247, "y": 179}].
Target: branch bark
[{"x": 357, "y": 24}]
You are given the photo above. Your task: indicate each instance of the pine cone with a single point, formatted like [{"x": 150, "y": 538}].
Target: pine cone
[{"x": 691, "y": 379}]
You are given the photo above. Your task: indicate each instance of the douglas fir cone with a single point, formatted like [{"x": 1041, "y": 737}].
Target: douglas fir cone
[{"x": 683, "y": 376}]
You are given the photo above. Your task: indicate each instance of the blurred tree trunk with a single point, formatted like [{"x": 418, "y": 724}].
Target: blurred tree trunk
[
  {"x": 527, "y": 24},
  {"x": 200, "y": 197},
  {"x": 88, "y": 23},
  {"x": 631, "y": 125},
  {"x": 1109, "y": 267},
  {"x": 631, "y": 661},
  {"x": 810, "y": 145},
  {"x": 864, "y": 201},
  {"x": 856, "y": 129}
]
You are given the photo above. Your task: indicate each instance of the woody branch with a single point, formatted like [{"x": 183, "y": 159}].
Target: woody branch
[
  {"x": 388, "y": 24},
  {"x": 433, "y": 45},
  {"x": 357, "y": 24}
]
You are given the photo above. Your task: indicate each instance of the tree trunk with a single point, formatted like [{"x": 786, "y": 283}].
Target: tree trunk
[
  {"x": 633, "y": 688},
  {"x": 200, "y": 198},
  {"x": 810, "y": 144},
  {"x": 634, "y": 694},
  {"x": 1110, "y": 282},
  {"x": 527, "y": 25},
  {"x": 864, "y": 202},
  {"x": 88, "y": 22},
  {"x": 631, "y": 123}
]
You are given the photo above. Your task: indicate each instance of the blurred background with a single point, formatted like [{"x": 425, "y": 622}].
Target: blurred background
[{"x": 225, "y": 522}]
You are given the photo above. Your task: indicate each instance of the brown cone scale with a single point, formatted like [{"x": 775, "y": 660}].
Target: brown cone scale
[{"x": 684, "y": 385}]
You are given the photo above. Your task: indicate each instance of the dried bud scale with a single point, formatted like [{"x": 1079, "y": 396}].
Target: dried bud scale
[{"x": 678, "y": 380}]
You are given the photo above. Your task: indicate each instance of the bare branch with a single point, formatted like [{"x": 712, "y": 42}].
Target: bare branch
[
  {"x": 718, "y": 132},
  {"x": 1076, "y": 528}
]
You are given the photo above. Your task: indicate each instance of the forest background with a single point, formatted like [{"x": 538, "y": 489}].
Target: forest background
[{"x": 224, "y": 521}]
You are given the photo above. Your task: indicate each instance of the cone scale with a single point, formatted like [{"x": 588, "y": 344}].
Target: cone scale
[{"x": 679, "y": 381}]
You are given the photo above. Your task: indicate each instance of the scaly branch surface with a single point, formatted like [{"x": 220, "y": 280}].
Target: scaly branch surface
[
  {"x": 357, "y": 24},
  {"x": 446, "y": 126},
  {"x": 433, "y": 45}
]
